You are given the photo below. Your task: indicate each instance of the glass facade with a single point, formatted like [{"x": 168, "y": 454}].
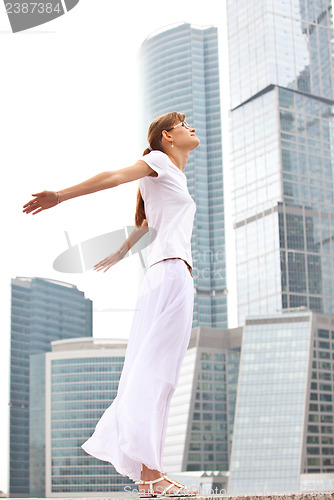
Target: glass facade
[
  {"x": 42, "y": 310},
  {"x": 179, "y": 414},
  {"x": 208, "y": 442},
  {"x": 80, "y": 391},
  {"x": 306, "y": 220},
  {"x": 282, "y": 161},
  {"x": 319, "y": 445},
  {"x": 284, "y": 424},
  {"x": 37, "y": 426},
  {"x": 276, "y": 42},
  {"x": 272, "y": 396},
  {"x": 282, "y": 153},
  {"x": 179, "y": 71},
  {"x": 233, "y": 365},
  {"x": 202, "y": 409}
]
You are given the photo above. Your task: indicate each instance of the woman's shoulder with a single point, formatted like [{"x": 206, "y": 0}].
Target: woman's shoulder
[
  {"x": 158, "y": 155},
  {"x": 158, "y": 161}
]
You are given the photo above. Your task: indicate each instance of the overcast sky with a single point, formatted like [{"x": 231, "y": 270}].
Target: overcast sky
[{"x": 68, "y": 103}]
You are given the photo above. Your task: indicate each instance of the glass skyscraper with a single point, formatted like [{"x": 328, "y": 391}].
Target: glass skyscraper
[
  {"x": 284, "y": 431},
  {"x": 282, "y": 153},
  {"x": 81, "y": 380},
  {"x": 179, "y": 72},
  {"x": 42, "y": 310},
  {"x": 200, "y": 424}
]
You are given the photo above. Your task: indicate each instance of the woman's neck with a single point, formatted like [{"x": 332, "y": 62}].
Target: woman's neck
[{"x": 179, "y": 158}]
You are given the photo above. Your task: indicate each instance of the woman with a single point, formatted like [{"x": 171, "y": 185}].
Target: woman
[{"x": 131, "y": 432}]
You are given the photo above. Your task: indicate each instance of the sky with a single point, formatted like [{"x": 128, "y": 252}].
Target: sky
[{"x": 69, "y": 110}]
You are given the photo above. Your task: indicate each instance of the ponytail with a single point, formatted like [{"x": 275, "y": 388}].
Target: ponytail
[{"x": 140, "y": 215}]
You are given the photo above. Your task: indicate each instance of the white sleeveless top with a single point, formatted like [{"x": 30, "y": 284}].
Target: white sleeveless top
[{"x": 169, "y": 209}]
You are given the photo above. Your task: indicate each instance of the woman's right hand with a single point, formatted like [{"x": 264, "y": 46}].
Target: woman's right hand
[
  {"x": 42, "y": 201},
  {"x": 108, "y": 262}
]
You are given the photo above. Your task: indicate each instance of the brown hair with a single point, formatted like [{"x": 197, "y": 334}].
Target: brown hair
[{"x": 154, "y": 136}]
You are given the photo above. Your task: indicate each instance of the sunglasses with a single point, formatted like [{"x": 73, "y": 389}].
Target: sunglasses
[{"x": 182, "y": 124}]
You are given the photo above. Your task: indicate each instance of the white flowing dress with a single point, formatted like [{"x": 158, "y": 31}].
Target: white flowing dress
[{"x": 131, "y": 431}]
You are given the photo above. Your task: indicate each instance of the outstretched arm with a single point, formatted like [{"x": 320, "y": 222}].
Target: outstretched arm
[
  {"x": 104, "y": 180},
  {"x": 112, "y": 259}
]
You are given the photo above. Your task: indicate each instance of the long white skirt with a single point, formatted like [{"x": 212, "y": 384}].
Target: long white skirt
[{"x": 131, "y": 431}]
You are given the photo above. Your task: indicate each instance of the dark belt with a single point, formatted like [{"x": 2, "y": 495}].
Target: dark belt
[{"x": 186, "y": 263}]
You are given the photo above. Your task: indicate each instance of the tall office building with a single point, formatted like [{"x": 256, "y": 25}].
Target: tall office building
[
  {"x": 72, "y": 386},
  {"x": 42, "y": 310},
  {"x": 282, "y": 138},
  {"x": 201, "y": 418},
  {"x": 283, "y": 430},
  {"x": 179, "y": 72}
]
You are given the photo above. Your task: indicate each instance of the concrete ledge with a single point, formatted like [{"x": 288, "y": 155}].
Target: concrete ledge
[{"x": 300, "y": 496}]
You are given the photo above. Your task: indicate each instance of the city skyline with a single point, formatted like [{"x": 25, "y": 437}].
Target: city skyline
[
  {"x": 87, "y": 146},
  {"x": 87, "y": 131}
]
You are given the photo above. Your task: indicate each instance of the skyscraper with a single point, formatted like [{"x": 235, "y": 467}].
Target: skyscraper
[
  {"x": 200, "y": 425},
  {"x": 179, "y": 72},
  {"x": 79, "y": 381},
  {"x": 282, "y": 96},
  {"x": 283, "y": 431},
  {"x": 42, "y": 310},
  {"x": 281, "y": 123}
]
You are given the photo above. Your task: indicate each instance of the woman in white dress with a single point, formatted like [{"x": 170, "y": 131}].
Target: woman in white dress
[{"x": 131, "y": 432}]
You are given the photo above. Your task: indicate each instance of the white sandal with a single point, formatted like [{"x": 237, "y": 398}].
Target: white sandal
[{"x": 151, "y": 493}]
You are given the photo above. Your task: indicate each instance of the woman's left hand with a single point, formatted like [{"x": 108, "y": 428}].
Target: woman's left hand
[
  {"x": 42, "y": 201},
  {"x": 108, "y": 262}
]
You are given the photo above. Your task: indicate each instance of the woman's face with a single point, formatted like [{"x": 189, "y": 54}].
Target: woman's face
[{"x": 184, "y": 136}]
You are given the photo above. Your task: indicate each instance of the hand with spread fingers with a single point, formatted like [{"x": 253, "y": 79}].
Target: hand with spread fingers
[
  {"x": 108, "y": 262},
  {"x": 115, "y": 257},
  {"x": 42, "y": 201}
]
